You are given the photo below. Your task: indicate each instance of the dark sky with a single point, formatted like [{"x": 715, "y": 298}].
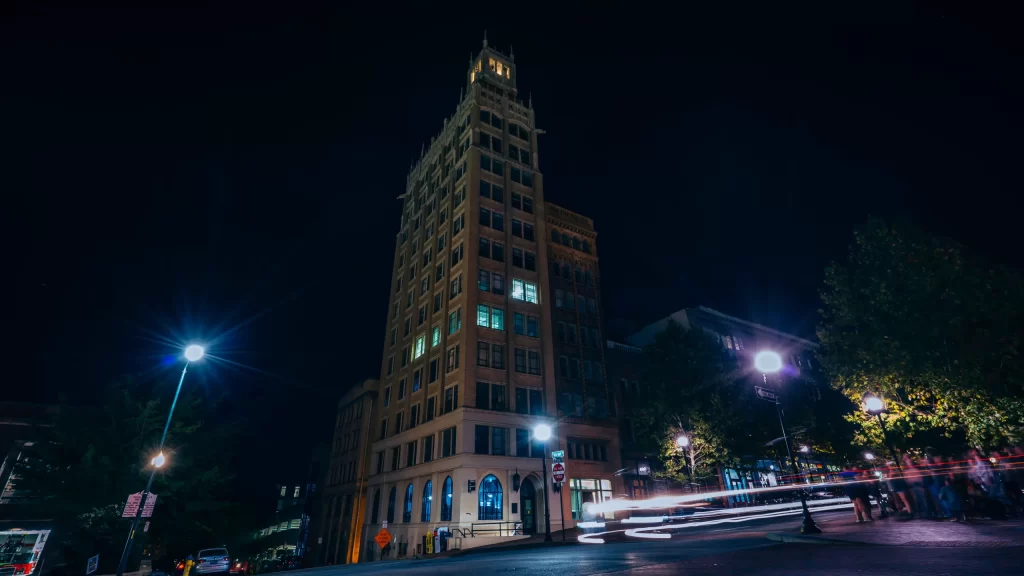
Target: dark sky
[{"x": 178, "y": 173}]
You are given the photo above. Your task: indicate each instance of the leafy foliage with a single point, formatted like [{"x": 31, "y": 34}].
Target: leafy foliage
[{"x": 934, "y": 329}]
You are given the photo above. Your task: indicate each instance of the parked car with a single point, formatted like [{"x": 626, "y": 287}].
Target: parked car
[
  {"x": 270, "y": 565},
  {"x": 212, "y": 561},
  {"x": 239, "y": 566},
  {"x": 290, "y": 562}
]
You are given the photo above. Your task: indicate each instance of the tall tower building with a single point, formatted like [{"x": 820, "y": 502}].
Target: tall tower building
[{"x": 468, "y": 367}]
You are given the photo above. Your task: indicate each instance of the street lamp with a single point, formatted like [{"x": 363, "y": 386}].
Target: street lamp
[
  {"x": 193, "y": 353},
  {"x": 542, "y": 432},
  {"x": 869, "y": 456},
  {"x": 683, "y": 441},
  {"x": 805, "y": 449},
  {"x": 768, "y": 362},
  {"x": 874, "y": 406}
]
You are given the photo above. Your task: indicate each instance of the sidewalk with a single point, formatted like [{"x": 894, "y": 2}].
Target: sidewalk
[
  {"x": 535, "y": 541},
  {"x": 897, "y": 532}
]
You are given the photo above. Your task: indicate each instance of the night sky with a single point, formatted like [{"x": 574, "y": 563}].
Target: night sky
[{"x": 230, "y": 173}]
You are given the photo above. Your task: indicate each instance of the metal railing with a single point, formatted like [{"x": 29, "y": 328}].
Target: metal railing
[{"x": 496, "y": 529}]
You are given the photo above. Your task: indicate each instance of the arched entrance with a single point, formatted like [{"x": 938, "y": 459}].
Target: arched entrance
[{"x": 528, "y": 502}]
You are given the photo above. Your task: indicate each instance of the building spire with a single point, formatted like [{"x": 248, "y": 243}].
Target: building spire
[{"x": 485, "y": 38}]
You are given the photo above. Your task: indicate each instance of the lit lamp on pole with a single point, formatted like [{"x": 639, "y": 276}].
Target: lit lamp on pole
[
  {"x": 542, "y": 432},
  {"x": 874, "y": 406},
  {"x": 192, "y": 353},
  {"x": 683, "y": 442},
  {"x": 768, "y": 362}
]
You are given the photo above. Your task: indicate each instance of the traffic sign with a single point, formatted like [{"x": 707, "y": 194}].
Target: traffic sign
[
  {"x": 384, "y": 524},
  {"x": 131, "y": 508},
  {"x": 557, "y": 472},
  {"x": 558, "y": 455},
  {"x": 383, "y": 538},
  {"x": 147, "y": 509},
  {"x": 766, "y": 394},
  {"x": 92, "y": 564}
]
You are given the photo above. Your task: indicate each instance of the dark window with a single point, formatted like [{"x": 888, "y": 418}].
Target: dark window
[
  {"x": 497, "y": 252},
  {"x": 481, "y": 439},
  {"x": 498, "y": 441},
  {"x": 483, "y": 394},
  {"x": 531, "y": 327},
  {"x": 520, "y": 360},
  {"x": 497, "y": 283},
  {"x": 531, "y": 261},
  {"x": 375, "y": 512},
  {"x": 483, "y": 353},
  {"x": 433, "y": 370},
  {"x": 522, "y": 442},
  {"x": 536, "y": 403},
  {"x": 391, "y": 505},
  {"x": 410, "y": 454},
  {"x": 534, "y": 362},
  {"x": 446, "y": 500},
  {"x": 429, "y": 415},
  {"x": 407, "y": 510},
  {"x": 498, "y": 397},
  {"x": 490, "y": 507},
  {"x": 483, "y": 281},
  {"x": 520, "y": 323},
  {"x": 428, "y": 496},
  {"x": 522, "y": 403},
  {"x": 451, "y": 398},
  {"x": 428, "y": 448},
  {"x": 380, "y": 462},
  {"x": 448, "y": 442},
  {"x": 498, "y": 356}
]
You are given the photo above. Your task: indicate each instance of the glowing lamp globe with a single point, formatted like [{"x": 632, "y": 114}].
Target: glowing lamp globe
[
  {"x": 768, "y": 362},
  {"x": 194, "y": 352},
  {"x": 874, "y": 405},
  {"x": 542, "y": 432},
  {"x": 683, "y": 441}
]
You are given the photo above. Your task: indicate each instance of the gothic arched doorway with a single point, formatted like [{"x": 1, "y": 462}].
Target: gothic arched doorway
[{"x": 528, "y": 501}]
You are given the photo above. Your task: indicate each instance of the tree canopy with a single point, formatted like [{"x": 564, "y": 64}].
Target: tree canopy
[{"x": 934, "y": 329}]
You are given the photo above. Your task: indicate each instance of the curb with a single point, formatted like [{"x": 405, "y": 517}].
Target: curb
[
  {"x": 805, "y": 539},
  {"x": 502, "y": 548}
]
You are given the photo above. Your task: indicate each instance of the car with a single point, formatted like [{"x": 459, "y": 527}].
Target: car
[
  {"x": 239, "y": 566},
  {"x": 212, "y": 561},
  {"x": 290, "y": 562},
  {"x": 270, "y": 565}
]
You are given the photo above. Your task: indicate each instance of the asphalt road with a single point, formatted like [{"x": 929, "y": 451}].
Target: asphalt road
[{"x": 723, "y": 549}]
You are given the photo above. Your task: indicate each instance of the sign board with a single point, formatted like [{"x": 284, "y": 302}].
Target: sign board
[
  {"x": 147, "y": 509},
  {"x": 384, "y": 524},
  {"x": 383, "y": 538},
  {"x": 92, "y": 564},
  {"x": 146, "y": 527},
  {"x": 430, "y": 543},
  {"x": 558, "y": 456},
  {"x": 557, "y": 472},
  {"x": 131, "y": 508},
  {"x": 766, "y": 394}
]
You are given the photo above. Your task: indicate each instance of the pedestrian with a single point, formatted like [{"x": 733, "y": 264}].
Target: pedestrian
[
  {"x": 901, "y": 490},
  {"x": 952, "y": 502},
  {"x": 934, "y": 483}
]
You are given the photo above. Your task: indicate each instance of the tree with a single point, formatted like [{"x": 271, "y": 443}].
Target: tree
[
  {"x": 933, "y": 328},
  {"x": 97, "y": 456}
]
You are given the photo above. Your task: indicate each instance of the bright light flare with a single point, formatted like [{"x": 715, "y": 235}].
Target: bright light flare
[
  {"x": 873, "y": 404},
  {"x": 159, "y": 460},
  {"x": 768, "y": 362},
  {"x": 194, "y": 353},
  {"x": 869, "y": 456},
  {"x": 683, "y": 441},
  {"x": 542, "y": 432}
]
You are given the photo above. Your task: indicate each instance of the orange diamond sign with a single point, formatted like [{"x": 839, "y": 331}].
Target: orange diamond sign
[{"x": 383, "y": 538}]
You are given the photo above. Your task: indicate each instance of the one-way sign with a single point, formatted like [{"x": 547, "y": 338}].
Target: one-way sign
[{"x": 766, "y": 394}]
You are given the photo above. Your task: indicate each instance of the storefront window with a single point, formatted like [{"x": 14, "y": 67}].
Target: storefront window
[{"x": 587, "y": 491}]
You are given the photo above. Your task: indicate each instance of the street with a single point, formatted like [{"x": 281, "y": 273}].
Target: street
[{"x": 728, "y": 549}]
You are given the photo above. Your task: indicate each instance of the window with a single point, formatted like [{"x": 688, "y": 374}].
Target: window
[
  {"x": 524, "y": 259},
  {"x": 532, "y": 327},
  {"x": 482, "y": 440},
  {"x": 457, "y": 253},
  {"x": 435, "y": 336},
  {"x": 414, "y": 416},
  {"x": 518, "y": 131},
  {"x": 490, "y": 396},
  {"x": 440, "y": 272},
  {"x": 438, "y": 301},
  {"x": 448, "y": 442},
  {"x": 433, "y": 370},
  {"x": 391, "y": 505},
  {"x": 421, "y": 346},
  {"x": 428, "y": 496},
  {"x": 391, "y": 365},
  {"x": 522, "y": 229},
  {"x": 401, "y": 388},
  {"x": 517, "y": 260},
  {"x": 394, "y": 336},
  {"x": 428, "y": 448},
  {"x": 384, "y": 428},
  {"x": 536, "y": 403},
  {"x": 591, "y": 305},
  {"x": 440, "y": 243},
  {"x": 446, "y": 500},
  {"x": 490, "y": 219},
  {"x": 483, "y": 281},
  {"x": 520, "y": 360},
  {"x": 456, "y": 287},
  {"x": 492, "y": 191},
  {"x": 587, "y": 450},
  {"x": 498, "y": 441},
  {"x": 375, "y": 511},
  {"x": 492, "y": 165},
  {"x": 451, "y": 399},
  {"x": 396, "y": 452},
  {"x": 429, "y": 414},
  {"x": 399, "y": 421},
  {"x": 519, "y": 322},
  {"x": 407, "y": 510},
  {"x": 534, "y": 362},
  {"x": 460, "y": 195},
  {"x": 453, "y": 359},
  {"x": 497, "y": 283},
  {"x": 522, "y": 443},
  {"x": 498, "y": 356},
  {"x": 523, "y": 290},
  {"x": 490, "y": 317},
  {"x": 387, "y": 396},
  {"x": 483, "y": 354},
  {"x": 442, "y": 217},
  {"x": 410, "y": 453},
  {"x": 493, "y": 250},
  {"x": 524, "y": 203},
  {"x": 490, "y": 503},
  {"x": 455, "y": 321}
]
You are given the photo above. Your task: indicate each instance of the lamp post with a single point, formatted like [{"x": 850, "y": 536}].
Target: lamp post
[
  {"x": 882, "y": 512},
  {"x": 193, "y": 353},
  {"x": 874, "y": 406},
  {"x": 683, "y": 442},
  {"x": 542, "y": 432},
  {"x": 768, "y": 362}
]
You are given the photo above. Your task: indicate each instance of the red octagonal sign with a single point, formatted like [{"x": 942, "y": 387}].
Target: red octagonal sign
[{"x": 558, "y": 472}]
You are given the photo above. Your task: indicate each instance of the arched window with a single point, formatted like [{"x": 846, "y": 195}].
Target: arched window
[
  {"x": 586, "y": 246},
  {"x": 428, "y": 497},
  {"x": 391, "y": 506},
  {"x": 407, "y": 511},
  {"x": 575, "y": 243},
  {"x": 554, "y": 236},
  {"x": 446, "y": 500},
  {"x": 375, "y": 514},
  {"x": 490, "y": 499},
  {"x": 565, "y": 239}
]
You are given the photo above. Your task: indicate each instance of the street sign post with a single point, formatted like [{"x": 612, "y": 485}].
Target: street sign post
[
  {"x": 147, "y": 509},
  {"x": 92, "y": 565},
  {"x": 558, "y": 456},
  {"x": 131, "y": 507},
  {"x": 766, "y": 394},
  {"x": 557, "y": 472},
  {"x": 383, "y": 538}
]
